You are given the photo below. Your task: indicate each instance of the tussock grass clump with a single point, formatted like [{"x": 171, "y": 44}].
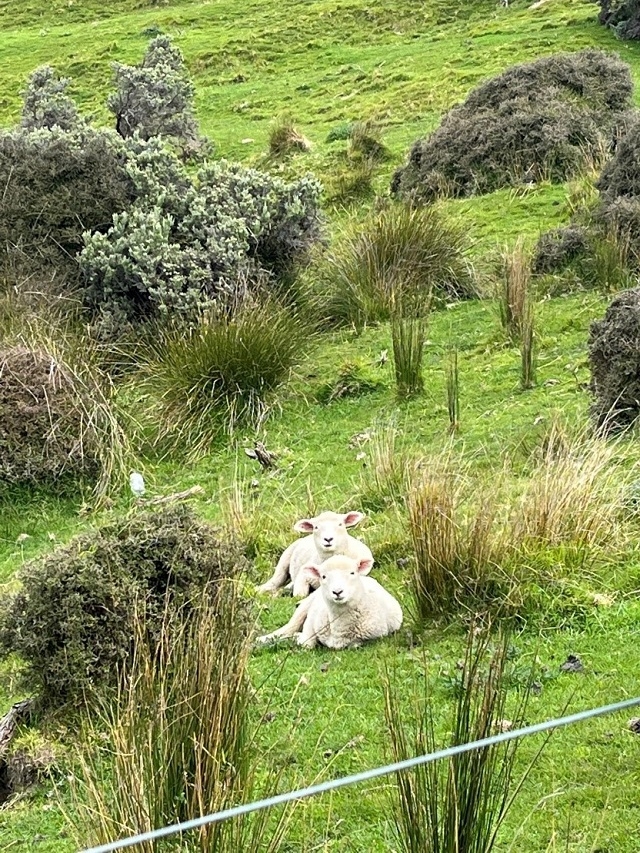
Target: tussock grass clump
[
  {"x": 176, "y": 741},
  {"x": 58, "y": 414},
  {"x": 408, "y": 336},
  {"x": 285, "y": 138},
  {"x": 387, "y": 476},
  {"x": 573, "y": 495},
  {"x": 528, "y": 350},
  {"x": 452, "y": 380},
  {"x": 543, "y": 120},
  {"x": 456, "y": 541},
  {"x": 222, "y": 372},
  {"x": 353, "y": 380},
  {"x": 458, "y": 806},
  {"x": 398, "y": 259},
  {"x": 365, "y": 141},
  {"x": 71, "y": 620},
  {"x": 623, "y": 16}
]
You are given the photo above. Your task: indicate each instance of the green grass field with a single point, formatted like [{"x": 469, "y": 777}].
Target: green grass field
[{"x": 402, "y": 64}]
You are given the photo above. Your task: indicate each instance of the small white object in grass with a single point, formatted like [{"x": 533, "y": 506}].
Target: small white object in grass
[{"x": 136, "y": 482}]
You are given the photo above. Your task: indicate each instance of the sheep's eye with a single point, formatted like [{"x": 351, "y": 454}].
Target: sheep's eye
[
  {"x": 353, "y": 573},
  {"x": 324, "y": 577},
  {"x": 315, "y": 526}
]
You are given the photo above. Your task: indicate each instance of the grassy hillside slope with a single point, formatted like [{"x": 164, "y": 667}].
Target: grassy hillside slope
[{"x": 401, "y": 63}]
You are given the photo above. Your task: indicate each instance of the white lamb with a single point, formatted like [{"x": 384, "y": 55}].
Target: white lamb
[
  {"x": 329, "y": 537},
  {"x": 346, "y": 610}
]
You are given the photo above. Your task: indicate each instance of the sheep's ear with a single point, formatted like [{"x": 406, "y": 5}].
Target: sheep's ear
[
  {"x": 352, "y": 518},
  {"x": 313, "y": 570},
  {"x": 365, "y": 565},
  {"x": 305, "y": 525}
]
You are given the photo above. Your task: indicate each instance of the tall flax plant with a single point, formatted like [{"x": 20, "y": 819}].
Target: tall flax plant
[
  {"x": 176, "y": 742},
  {"x": 401, "y": 254},
  {"x": 515, "y": 289},
  {"x": 456, "y": 541},
  {"x": 457, "y": 806}
]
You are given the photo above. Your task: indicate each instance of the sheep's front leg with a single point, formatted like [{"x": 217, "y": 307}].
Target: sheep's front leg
[
  {"x": 293, "y": 626},
  {"x": 280, "y": 574}
]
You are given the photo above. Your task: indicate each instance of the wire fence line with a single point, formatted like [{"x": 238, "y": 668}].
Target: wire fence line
[{"x": 364, "y": 776}]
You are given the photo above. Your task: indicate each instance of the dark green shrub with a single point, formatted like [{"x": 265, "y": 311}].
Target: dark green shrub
[
  {"x": 223, "y": 371},
  {"x": 557, "y": 249},
  {"x": 72, "y": 619},
  {"x": 623, "y": 16},
  {"x": 614, "y": 358},
  {"x": 621, "y": 175},
  {"x": 155, "y": 98},
  {"x": 56, "y": 184},
  {"x": 400, "y": 258},
  {"x": 544, "y": 120},
  {"x": 186, "y": 243}
]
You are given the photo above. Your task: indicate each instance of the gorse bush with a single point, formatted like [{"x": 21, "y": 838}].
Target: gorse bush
[
  {"x": 46, "y": 104},
  {"x": 186, "y": 243},
  {"x": 400, "y": 260},
  {"x": 56, "y": 185},
  {"x": 222, "y": 372},
  {"x": 72, "y": 619},
  {"x": 623, "y": 16},
  {"x": 543, "y": 120},
  {"x": 155, "y": 98}
]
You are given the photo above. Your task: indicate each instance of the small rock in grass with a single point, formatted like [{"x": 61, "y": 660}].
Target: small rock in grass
[{"x": 572, "y": 664}]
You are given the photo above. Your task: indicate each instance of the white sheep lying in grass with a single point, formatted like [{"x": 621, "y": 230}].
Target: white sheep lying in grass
[
  {"x": 329, "y": 537},
  {"x": 344, "y": 611}
]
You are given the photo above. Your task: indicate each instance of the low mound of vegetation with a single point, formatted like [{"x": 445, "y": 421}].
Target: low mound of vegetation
[
  {"x": 57, "y": 418},
  {"x": 614, "y": 357},
  {"x": 623, "y": 16},
  {"x": 610, "y": 227},
  {"x": 72, "y": 620},
  {"x": 542, "y": 120}
]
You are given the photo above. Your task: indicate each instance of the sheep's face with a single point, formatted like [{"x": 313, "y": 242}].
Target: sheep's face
[
  {"x": 329, "y": 530},
  {"x": 340, "y": 578}
]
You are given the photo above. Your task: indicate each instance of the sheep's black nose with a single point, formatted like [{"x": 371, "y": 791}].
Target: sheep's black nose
[
  {"x": 338, "y": 593},
  {"x": 328, "y": 540}
]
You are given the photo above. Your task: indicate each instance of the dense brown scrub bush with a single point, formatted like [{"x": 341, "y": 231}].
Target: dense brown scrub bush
[
  {"x": 72, "y": 619},
  {"x": 56, "y": 184},
  {"x": 623, "y": 16},
  {"x": 614, "y": 357},
  {"x": 42, "y": 435},
  {"x": 546, "y": 119},
  {"x": 59, "y": 413}
]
